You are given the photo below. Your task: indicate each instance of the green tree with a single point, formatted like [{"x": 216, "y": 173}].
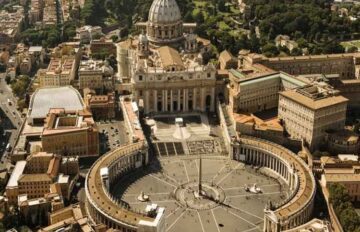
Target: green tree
[
  {"x": 302, "y": 43},
  {"x": 199, "y": 17},
  {"x": 270, "y": 50},
  {"x": 296, "y": 52},
  {"x": 21, "y": 104},
  {"x": 69, "y": 30},
  {"x": 20, "y": 85},
  {"x": 114, "y": 38},
  {"x": 352, "y": 49},
  {"x": 221, "y": 6},
  {"x": 93, "y": 13},
  {"x": 188, "y": 18},
  {"x": 341, "y": 200}
]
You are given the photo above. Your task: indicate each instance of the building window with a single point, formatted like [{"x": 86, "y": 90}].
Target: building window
[{"x": 140, "y": 77}]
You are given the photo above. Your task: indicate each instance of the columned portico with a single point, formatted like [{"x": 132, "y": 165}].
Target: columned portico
[{"x": 178, "y": 100}]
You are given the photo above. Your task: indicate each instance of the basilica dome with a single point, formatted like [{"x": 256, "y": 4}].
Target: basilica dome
[
  {"x": 164, "y": 12},
  {"x": 164, "y": 25}
]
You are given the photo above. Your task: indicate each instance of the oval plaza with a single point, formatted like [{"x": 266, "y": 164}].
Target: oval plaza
[{"x": 202, "y": 181}]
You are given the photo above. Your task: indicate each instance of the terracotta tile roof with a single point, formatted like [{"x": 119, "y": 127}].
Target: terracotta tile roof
[{"x": 170, "y": 57}]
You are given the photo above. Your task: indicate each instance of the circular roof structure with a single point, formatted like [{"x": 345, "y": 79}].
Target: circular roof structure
[{"x": 164, "y": 12}]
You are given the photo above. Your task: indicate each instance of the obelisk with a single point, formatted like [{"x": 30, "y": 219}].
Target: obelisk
[{"x": 200, "y": 177}]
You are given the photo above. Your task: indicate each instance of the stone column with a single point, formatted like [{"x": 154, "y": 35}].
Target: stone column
[
  {"x": 185, "y": 97},
  {"x": 179, "y": 101},
  {"x": 194, "y": 99},
  {"x": 212, "y": 106},
  {"x": 202, "y": 103},
  {"x": 147, "y": 108},
  {"x": 265, "y": 224},
  {"x": 155, "y": 100},
  {"x": 171, "y": 101},
  {"x": 164, "y": 101}
]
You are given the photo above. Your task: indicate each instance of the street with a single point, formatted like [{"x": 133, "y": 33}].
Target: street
[{"x": 10, "y": 111}]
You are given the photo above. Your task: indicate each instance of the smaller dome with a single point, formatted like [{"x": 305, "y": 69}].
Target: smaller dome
[{"x": 164, "y": 12}]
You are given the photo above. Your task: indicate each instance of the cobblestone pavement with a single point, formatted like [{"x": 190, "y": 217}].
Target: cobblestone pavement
[{"x": 239, "y": 211}]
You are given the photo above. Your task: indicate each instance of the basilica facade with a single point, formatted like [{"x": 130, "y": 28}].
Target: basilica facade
[{"x": 163, "y": 67}]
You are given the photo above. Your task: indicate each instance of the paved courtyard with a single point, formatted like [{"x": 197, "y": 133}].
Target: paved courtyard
[
  {"x": 196, "y": 136},
  {"x": 237, "y": 210}
]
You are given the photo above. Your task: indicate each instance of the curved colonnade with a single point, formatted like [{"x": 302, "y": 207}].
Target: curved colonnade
[
  {"x": 292, "y": 212},
  {"x": 298, "y": 207},
  {"x": 101, "y": 207}
]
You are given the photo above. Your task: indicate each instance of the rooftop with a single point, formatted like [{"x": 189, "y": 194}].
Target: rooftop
[
  {"x": 342, "y": 177},
  {"x": 272, "y": 124},
  {"x": 39, "y": 177},
  {"x": 61, "y": 65},
  {"x": 98, "y": 194},
  {"x": 61, "y": 121},
  {"x": 170, "y": 57},
  {"x": 58, "y": 97},
  {"x": 35, "y": 49},
  {"x": 314, "y": 98},
  {"x": 91, "y": 65},
  {"x": 17, "y": 172}
]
